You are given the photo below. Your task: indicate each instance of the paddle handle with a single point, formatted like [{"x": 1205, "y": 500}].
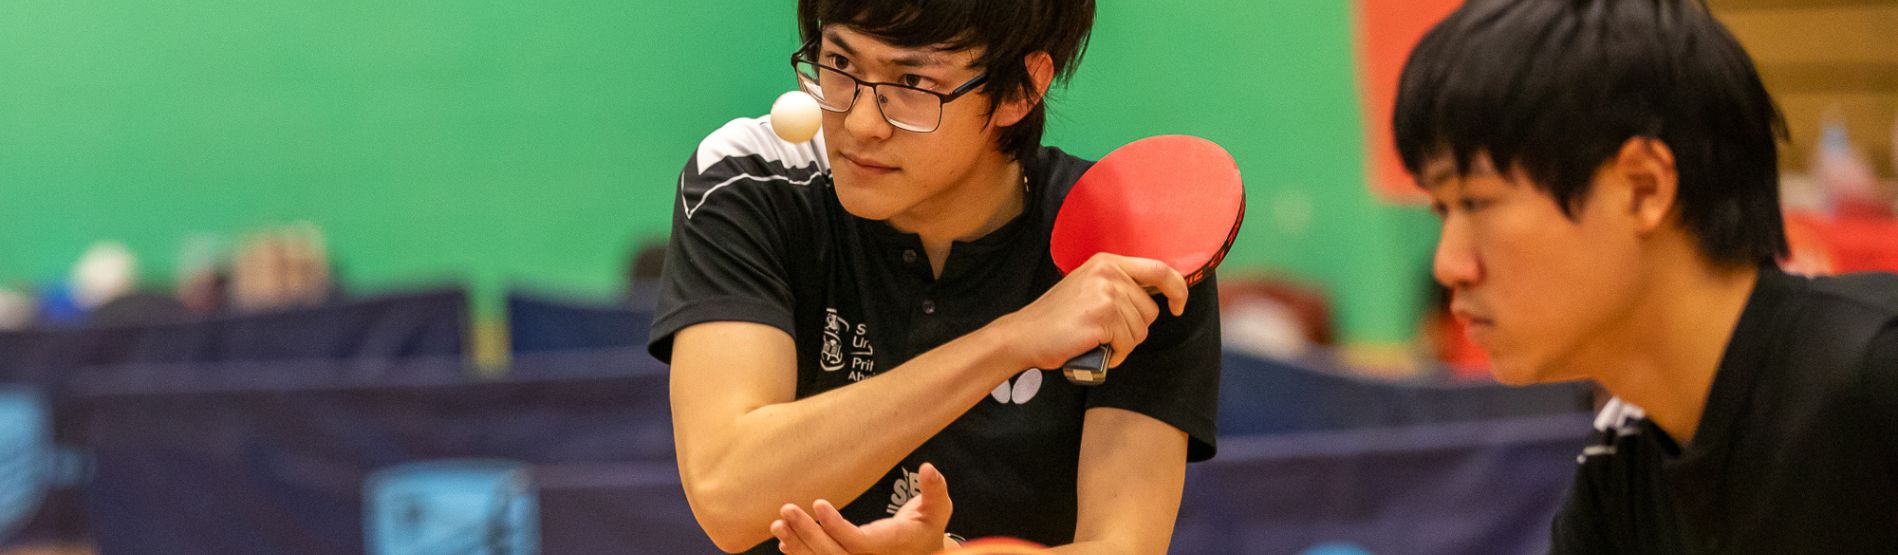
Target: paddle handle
[{"x": 1090, "y": 368}]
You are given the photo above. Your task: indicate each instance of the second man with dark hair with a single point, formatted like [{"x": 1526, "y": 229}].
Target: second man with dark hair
[
  {"x": 854, "y": 324},
  {"x": 1606, "y": 173}
]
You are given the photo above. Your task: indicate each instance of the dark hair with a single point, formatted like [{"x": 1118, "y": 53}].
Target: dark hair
[
  {"x": 1556, "y": 87},
  {"x": 1007, "y": 31}
]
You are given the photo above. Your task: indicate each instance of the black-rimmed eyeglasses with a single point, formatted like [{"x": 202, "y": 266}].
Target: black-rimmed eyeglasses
[{"x": 905, "y": 107}]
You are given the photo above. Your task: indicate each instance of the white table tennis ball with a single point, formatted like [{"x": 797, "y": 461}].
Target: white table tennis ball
[
  {"x": 107, "y": 271},
  {"x": 795, "y": 117}
]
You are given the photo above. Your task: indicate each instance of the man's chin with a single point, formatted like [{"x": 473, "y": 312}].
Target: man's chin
[
  {"x": 1516, "y": 372},
  {"x": 865, "y": 205}
]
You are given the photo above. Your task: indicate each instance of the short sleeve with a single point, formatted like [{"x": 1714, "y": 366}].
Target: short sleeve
[
  {"x": 726, "y": 258},
  {"x": 1174, "y": 375}
]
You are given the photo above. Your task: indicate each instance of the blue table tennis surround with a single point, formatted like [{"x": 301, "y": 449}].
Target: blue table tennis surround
[
  {"x": 542, "y": 323},
  {"x": 1489, "y": 487},
  {"x": 1265, "y": 396},
  {"x": 271, "y": 462},
  {"x": 425, "y": 323},
  {"x": 453, "y": 507},
  {"x": 239, "y": 449},
  {"x": 57, "y": 361},
  {"x": 25, "y": 456}
]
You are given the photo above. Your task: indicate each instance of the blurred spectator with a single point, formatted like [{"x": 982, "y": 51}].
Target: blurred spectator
[
  {"x": 1844, "y": 174},
  {"x": 642, "y": 273},
  {"x": 1852, "y": 228},
  {"x": 16, "y": 310},
  {"x": 105, "y": 272},
  {"x": 205, "y": 291},
  {"x": 103, "y": 284},
  {"x": 1273, "y": 318},
  {"x": 281, "y": 268},
  {"x": 274, "y": 268},
  {"x": 204, "y": 277}
]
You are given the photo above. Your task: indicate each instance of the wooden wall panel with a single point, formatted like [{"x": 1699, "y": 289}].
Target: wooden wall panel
[{"x": 1820, "y": 56}]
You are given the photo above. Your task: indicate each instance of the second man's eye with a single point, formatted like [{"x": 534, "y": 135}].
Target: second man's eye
[{"x": 915, "y": 80}]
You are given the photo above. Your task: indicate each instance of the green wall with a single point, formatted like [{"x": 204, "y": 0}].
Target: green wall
[
  {"x": 1275, "y": 82},
  {"x": 532, "y": 143}
]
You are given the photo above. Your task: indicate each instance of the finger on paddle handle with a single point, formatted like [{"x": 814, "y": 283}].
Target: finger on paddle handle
[{"x": 1090, "y": 368}]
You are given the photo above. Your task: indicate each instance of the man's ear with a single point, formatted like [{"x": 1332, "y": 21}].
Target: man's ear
[
  {"x": 1646, "y": 166},
  {"x": 1040, "y": 75}
]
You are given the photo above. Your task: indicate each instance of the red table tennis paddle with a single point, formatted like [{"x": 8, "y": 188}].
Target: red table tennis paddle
[
  {"x": 1172, "y": 198},
  {"x": 998, "y": 546}
]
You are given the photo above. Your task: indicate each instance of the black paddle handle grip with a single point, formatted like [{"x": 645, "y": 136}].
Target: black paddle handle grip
[{"x": 1090, "y": 368}]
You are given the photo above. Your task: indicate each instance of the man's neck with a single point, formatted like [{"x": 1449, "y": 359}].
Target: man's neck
[
  {"x": 1665, "y": 356},
  {"x": 990, "y": 195}
]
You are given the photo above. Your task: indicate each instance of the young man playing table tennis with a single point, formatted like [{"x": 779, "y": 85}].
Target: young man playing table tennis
[
  {"x": 1606, "y": 172},
  {"x": 849, "y": 321}
]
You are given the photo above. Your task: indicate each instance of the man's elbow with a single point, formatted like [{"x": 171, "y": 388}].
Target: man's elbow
[
  {"x": 732, "y": 541},
  {"x": 719, "y": 514}
]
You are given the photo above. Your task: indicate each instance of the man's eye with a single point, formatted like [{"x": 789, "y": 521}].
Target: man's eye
[
  {"x": 839, "y": 62},
  {"x": 915, "y": 80}
]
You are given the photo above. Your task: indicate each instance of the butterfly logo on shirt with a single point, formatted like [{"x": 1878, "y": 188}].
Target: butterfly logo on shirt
[{"x": 1019, "y": 390}]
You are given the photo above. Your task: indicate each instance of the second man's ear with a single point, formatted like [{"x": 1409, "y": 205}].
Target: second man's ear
[{"x": 1647, "y": 166}]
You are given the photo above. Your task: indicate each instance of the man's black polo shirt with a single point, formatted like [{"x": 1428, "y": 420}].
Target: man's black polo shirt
[
  {"x": 759, "y": 236},
  {"x": 1796, "y": 451}
]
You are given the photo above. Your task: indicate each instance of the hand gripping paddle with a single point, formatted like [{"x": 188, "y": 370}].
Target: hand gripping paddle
[{"x": 1172, "y": 198}]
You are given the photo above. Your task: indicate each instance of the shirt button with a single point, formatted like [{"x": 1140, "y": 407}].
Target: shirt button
[
  {"x": 909, "y": 256},
  {"x": 929, "y": 306}
]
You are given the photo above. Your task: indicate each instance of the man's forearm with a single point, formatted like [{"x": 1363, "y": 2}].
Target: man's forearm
[{"x": 835, "y": 445}]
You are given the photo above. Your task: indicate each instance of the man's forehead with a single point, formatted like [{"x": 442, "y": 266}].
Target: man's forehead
[
  {"x": 853, "y": 42},
  {"x": 1437, "y": 172},
  {"x": 1444, "y": 169}
]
